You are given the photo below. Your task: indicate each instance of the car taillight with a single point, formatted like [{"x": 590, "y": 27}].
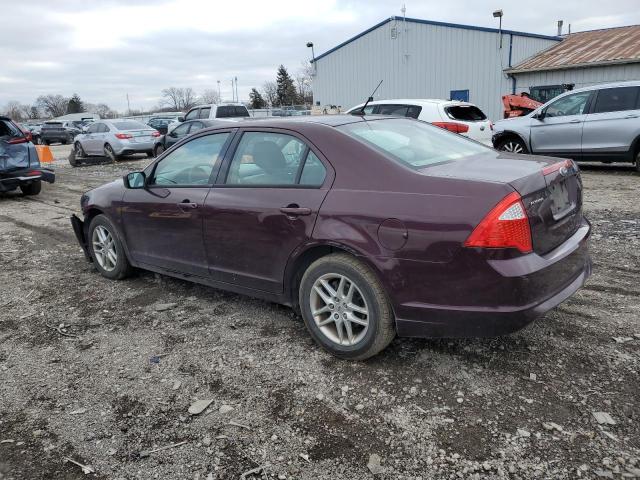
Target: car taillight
[
  {"x": 17, "y": 140},
  {"x": 557, "y": 166},
  {"x": 491, "y": 125},
  {"x": 505, "y": 226},
  {"x": 123, "y": 136},
  {"x": 33, "y": 173},
  {"x": 155, "y": 134},
  {"x": 452, "y": 126}
]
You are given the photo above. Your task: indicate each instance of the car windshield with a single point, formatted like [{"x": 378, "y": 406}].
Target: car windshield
[
  {"x": 130, "y": 125},
  {"x": 413, "y": 143},
  {"x": 52, "y": 125}
]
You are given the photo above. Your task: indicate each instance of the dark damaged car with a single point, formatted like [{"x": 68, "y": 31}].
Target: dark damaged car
[
  {"x": 19, "y": 163},
  {"x": 370, "y": 227}
]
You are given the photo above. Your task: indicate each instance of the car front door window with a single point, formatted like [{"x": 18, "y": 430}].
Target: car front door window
[
  {"x": 192, "y": 114},
  {"x": 570, "y": 105},
  {"x": 190, "y": 164}
]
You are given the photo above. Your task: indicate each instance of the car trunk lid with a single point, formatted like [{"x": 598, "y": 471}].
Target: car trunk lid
[{"x": 551, "y": 190}]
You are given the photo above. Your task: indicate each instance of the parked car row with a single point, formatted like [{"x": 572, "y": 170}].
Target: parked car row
[{"x": 114, "y": 139}]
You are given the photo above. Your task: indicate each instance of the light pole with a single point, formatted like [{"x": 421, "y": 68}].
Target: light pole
[
  {"x": 498, "y": 14},
  {"x": 313, "y": 57},
  {"x": 219, "y": 96}
]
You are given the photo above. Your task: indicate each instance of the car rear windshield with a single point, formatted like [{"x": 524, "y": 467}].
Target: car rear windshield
[
  {"x": 227, "y": 111},
  {"x": 8, "y": 129},
  {"x": 130, "y": 125},
  {"x": 466, "y": 113},
  {"x": 52, "y": 125},
  {"x": 413, "y": 143}
]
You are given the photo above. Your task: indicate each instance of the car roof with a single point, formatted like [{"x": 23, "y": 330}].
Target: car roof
[
  {"x": 415, "y": 101},
  {"x": 222, "y": 104},
  {"x": 631, "y": 83},
  {"x": 301, "y": 121}
]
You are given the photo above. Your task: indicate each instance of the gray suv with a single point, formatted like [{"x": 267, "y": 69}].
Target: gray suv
[{"x": 597, "y": 123}]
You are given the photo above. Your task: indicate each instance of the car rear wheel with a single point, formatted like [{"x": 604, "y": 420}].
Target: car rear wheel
[
  {"x": 109, "y": 153},
  {"x": 513, "y": 145},
  {"x": 106, "y": 249},
  {"x": 345, "y": 307},
  {"x": 638, "y": 161},
  {"x": 32, "y": 188}
]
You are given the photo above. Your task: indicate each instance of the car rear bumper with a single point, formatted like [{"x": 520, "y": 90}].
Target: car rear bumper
[
  {"x": 524, "y": 288},
  {"x": 128, "y": 148},
  {"x": 12, "y": 180}
]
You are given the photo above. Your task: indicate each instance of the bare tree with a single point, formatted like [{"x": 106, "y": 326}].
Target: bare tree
[
  {"x": 270, "y": 92},
  {"x": 53, "y": 105},
  {"x": 303, "y": 80},
  {"x": 210, "y": 96},
  {"x": 14, "y": 111},
  {"x": 180, "y": 99}
]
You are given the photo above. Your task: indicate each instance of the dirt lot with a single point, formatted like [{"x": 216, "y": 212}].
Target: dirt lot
[{"x": 116, "y": 381}]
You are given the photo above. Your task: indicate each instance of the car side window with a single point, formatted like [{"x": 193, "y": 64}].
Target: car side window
[
  {"x": 367, "y": 111},
  {"x": 313, "y": 172},
  {"x": 182, "y": 130},
  {"x": 192, "y": 114},
  {"x": 400, "y": 110},
  {"x": 192, "y": 163},
  {"x": 267, "y": 159},
  {"x": 413, "y": 111},
  {"x": 104, "y": 128},
  {"x": 570, "y": 105},
  {"x": 195, "y": 126},
  {"x": 616, "y": 99},
  {"x": 204, "y": 112},
  {"x": 93, "y": 128}
]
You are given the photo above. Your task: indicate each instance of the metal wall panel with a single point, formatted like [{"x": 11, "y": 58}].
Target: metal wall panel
[
  {"x": 422, "y": 61},
  {"x": 582, "y": 77}
]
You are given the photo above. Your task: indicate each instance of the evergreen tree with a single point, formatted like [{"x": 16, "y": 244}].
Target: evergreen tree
[
  {"x": 285, "y": 89},
  {"x": 75, "y": 105},
  {"x": 256, "y": 100}
]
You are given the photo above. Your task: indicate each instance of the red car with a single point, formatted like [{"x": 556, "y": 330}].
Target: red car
[{"x": 369, "y": 226}]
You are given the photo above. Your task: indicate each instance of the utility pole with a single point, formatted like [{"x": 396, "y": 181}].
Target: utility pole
[
  {"x": 128, "y": 106},
  {"x": 237, "y": 96},
  {"x": 219, "y": 96}
]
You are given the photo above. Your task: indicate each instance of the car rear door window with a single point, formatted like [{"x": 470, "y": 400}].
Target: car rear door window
[
  {"x": 195, "y": 126},
  {"x": 181, "y": 131},
  {"x": 204, "y": 112},
  {"x": 399, "y": 110},
  {"x": 103, "y": 128},
  {"x": 313, "y": 172},
  {"x": 266, "y": 159},
  {"x": 93, "y": 128},
  {"x": 192, "y": 163},
  {"x": 616, "y": 99}
]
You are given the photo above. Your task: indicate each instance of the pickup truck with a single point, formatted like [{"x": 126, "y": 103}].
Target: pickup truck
[{"x": 19, "y": 163}]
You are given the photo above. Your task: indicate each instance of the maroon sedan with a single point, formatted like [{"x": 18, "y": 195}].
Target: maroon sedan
[{"x": 370, "y": 227}]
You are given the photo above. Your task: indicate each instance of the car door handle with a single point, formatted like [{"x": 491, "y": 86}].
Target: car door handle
[
  {"x": 632, "y": 115},
  {"x": 575, "y": 121},
  {"x": 186, "y": 205},
  {"x": 295, "y": 211}
]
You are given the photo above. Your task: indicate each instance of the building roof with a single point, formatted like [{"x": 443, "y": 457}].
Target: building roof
[
  {"x": 586, "y": 49},
  {"x": 438, "y": 24}
]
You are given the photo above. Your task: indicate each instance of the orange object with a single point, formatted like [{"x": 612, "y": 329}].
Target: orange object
[
  {"x": 44, "y": 154},
  {"x": 518, "y": 105}
]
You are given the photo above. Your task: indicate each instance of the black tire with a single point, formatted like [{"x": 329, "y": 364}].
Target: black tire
[
  {"x": 512, "y": 145},
  {"x": 47, "y": 142},
  {"x": 78, "y": 150},
  {"x": 109, "y": 153},
  {"x": 73, "y": 160},
  {"x": 158, "y": 150},
  {"x": 150, "y": 154},
  {"x": 637, "y": 163},
  {"x": 32, "y": 188},
  {"x": 63, "y": 142},
  {"x": 122, "y": 267},
  {"x": 381, "y": 322}
]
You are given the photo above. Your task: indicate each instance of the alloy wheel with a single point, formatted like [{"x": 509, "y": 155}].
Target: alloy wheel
[
  {"x": 513, "y": 147},
  {"x": 339, "y": 309},
  {"x": 104, "y": 248}
]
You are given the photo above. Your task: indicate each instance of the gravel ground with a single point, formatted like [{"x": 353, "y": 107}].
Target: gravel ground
[{"x": 103, "y": 373}]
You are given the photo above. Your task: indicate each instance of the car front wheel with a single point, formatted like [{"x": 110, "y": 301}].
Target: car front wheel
[
  {"x": 32, "y": 188},
  {"x": 512, "y": 145},
  {"x": 107, "y": 250},
  {"x": 345, "y": 307}
]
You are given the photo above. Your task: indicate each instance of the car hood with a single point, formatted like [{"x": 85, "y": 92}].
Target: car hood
[
  {"x": 510, "y": 123},
  {"x": 103, "y": 195}
]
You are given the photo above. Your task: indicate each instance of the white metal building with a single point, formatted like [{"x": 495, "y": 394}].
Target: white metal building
[
  {"x": 583, "y": 59},
  {"x": 424, "y": 59}
]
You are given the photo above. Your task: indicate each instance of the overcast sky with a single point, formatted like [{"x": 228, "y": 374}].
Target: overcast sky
[{"x": 104, "y": 49}]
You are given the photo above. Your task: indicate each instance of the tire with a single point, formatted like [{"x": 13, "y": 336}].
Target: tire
[
  {"x": 371, "y": 333},
  {"x": 63, "y": 142},
  {"x": 78, "y": 150},
  {"x": 637, "y": 164},
  {"x": 47, "y": 142},
  {"x": 102, "y": 233},
  {"x": 109, "y": 153},
  {"x": 512, "y": 145},
  {"x": 73, "y": 160},
  {"x": 150, "y": 154},
  {"x": 32, "y": 188},
  {"x": 158, "y": 150}
]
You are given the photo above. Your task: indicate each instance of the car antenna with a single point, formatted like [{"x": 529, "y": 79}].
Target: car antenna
[{"x": 370, "y": 99}]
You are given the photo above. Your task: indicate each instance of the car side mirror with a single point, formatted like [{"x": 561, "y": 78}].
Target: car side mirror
[
  {"x": 181, "y": 119},
  {"x": 540, "y": 115},
  {"x": 135, "y": 180},
  {"x": 173, "y": 134}
]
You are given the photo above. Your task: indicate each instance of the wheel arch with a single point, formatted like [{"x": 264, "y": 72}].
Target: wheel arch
[
  {"x": 302, "y": 258},
  {"x": 512, "y": 134},
  {"x": 93, "y": 212}
]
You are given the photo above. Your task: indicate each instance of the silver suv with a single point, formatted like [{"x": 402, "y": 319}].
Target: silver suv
[{"x": 597, "y": 123}]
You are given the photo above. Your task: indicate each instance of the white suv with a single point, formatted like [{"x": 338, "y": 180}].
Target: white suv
[
  {"x": 459, "y": 117},
  {"x": 221, "y": 111}
]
